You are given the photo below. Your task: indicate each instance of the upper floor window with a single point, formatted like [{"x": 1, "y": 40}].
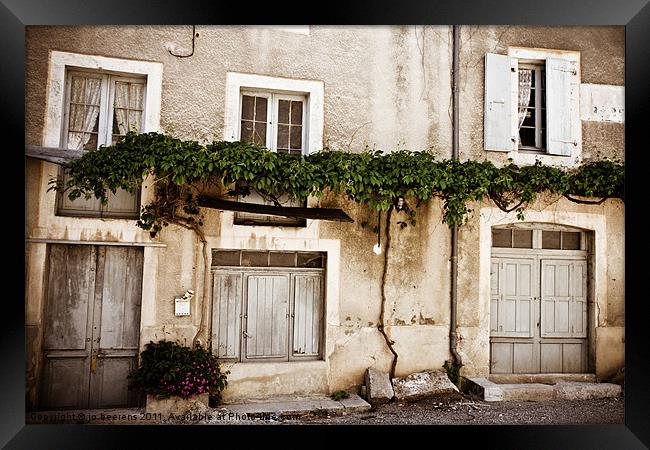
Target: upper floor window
[
  {"x": 532, "y": 104},
  {"x": 273, "y": 120},
  {"x": 281, "y": 114},
  {"x": 100, "y": 108}
]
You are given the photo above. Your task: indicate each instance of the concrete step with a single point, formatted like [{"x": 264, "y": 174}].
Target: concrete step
[
  {"x": 561, "y": 390},
  {"x": 298, "y": 406},
  {"x": 544, "y": 378}
]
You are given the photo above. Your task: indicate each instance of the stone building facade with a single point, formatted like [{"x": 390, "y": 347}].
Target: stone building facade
[{"x": 293, "y": 310}]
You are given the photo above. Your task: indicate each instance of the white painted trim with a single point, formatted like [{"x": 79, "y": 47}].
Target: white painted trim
[
  {"x": 532, "y": 55},
  {"x": 69, "y": 241},
  {"x": 314, "y": 91}
]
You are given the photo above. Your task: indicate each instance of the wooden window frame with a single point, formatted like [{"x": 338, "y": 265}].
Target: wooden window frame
[
  {"x": 272, "y": 112},
  {"x": 104, "y": 133},
  {"x": 539, "y": 72}
]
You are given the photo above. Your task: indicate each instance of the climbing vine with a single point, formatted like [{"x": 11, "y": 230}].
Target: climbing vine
[{"x": 183, "y": 170}]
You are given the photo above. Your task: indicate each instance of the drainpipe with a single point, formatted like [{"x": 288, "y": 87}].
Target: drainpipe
[{"x": 454, "y": 232}]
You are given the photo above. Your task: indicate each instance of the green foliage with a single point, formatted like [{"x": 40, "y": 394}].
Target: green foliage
[
  {"x": 167, "y": 368},
  {"x": 453, "y": 371},
  {"x": 340, "y": 395},
  {"x": 180, "y": 169}
]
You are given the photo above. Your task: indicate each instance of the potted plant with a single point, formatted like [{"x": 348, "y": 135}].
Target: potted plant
[{"x": 177, "y": 378}]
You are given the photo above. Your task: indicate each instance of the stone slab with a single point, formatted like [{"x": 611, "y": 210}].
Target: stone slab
[
  {"x": 586, "y": 391},
  {"x": 428, "y": 383},
  {"x": 379, "y": 389},
  {"x": 300, "y": 407},
  {"x": 176, "y": 405}
]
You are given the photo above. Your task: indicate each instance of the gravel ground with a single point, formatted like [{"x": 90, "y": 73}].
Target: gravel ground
[
  {"x": 467, "y": 411},
  {"x": 461, "y": 410}
]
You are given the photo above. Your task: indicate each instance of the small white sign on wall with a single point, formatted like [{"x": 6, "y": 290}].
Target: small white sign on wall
[
  {"x": 602, "y": 103},
  {"x": 181, "y": 307}
]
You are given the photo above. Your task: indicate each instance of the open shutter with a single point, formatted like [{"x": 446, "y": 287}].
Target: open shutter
[
  {"x": 558, "y": 106},
  {"x": 498, "y": 112}
]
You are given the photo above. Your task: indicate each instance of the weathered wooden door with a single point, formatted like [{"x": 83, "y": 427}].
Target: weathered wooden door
[
  {"x": 538, "y": 315},
  {"x": 91, "y": 326}
]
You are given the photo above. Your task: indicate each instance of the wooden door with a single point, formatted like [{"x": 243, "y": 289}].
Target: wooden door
[
  {"x": 92, "y": 323},
  {"x": 267, "y": 316}
]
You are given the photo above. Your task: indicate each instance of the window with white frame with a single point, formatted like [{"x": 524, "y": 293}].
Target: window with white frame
[
  {"x": 532, "y": 103},
  {"x": 100, "y": 108},
  {"x": 282, "y": 114}
]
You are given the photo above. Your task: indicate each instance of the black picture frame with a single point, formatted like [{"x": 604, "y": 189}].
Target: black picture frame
[{"x": 633, "y": 14}]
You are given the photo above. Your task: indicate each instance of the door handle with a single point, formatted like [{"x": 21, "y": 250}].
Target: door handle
[{"x": 246, "y": 335}]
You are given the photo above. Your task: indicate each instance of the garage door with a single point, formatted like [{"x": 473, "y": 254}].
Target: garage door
[{"x": 91, "y": 327}]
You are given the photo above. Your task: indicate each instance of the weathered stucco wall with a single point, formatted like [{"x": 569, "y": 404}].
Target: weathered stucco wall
[
  {"x": 384, "y": 88},
  {"x": 602, "y": 61}
]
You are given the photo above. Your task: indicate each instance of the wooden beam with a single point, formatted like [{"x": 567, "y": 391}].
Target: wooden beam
[
  {"x": 53, "y": 154},
  {"x": 333, "y": 214}
]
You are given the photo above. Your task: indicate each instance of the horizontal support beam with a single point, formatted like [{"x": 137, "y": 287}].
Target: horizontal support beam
[
  {"x": 53, "y": 154},
  {"x": 70, "y": 241},
  {"x": 333, "y": 214}
]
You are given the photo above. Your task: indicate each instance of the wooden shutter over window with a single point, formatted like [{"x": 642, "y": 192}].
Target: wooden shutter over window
[
  {"x": 498, "y": 111},
  {"x": 226, "y": 314},
  {"x": 559, "y": 73},
  {"x": 307, "y": 313}
]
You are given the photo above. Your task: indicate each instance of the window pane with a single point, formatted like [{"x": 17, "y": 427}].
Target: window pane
[
  {"x": 296, "y": 113},
  {"x": 254, "y": 259},
  {"x": 90, "y": 141},
  {"x": 310, "y": 259},
  {"x": 135, "y": 120},
  {"x": 259, "y": 136},
  {"x": 78, "y": 90},
  {"x": 283, "y": 259},
  {"x": 529, "y": 118},
  {"x": 136, "y": 96},
  {"x": 121, "y": 95},
  {"x": 531, "y": 102},
  {"x": 501, "y": 238},
  {"x": 247, "y": 106},
  {"x": 283, "y": 111},
  {"x": 225, "y": 257},
  {"x": 260, "y": 109},
  {"x": 283, "y": 137},
  {"x": 570, "y": 240},
  {"x": 522, "y": 238},
  {"x": 296, "y": 137},
  {"x": 551, "y": 239},
  {"x": 527, "y": 137},
  {"x": 76, "y": 119},
  {"x": 246, "y": 131}
]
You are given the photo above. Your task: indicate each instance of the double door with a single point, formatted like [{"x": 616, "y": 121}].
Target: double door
[
  {"x": 538, "y": 314},
  {"x": 91, "y": 326}
]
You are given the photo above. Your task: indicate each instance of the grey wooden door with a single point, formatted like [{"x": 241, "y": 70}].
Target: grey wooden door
[
  {"x": 267, "y": 316},
  {"x": 538, "y": 315},
  {"x": 91, "y": 327}
]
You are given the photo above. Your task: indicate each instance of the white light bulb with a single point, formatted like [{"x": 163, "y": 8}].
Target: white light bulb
[{"x": 377, "y": 249}]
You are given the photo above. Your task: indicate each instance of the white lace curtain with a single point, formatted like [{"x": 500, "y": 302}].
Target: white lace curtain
[
  {"x": 525, "y": 80},
  {"x": 128, "y": 107},
  {"x": 85, "y": 94}
]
